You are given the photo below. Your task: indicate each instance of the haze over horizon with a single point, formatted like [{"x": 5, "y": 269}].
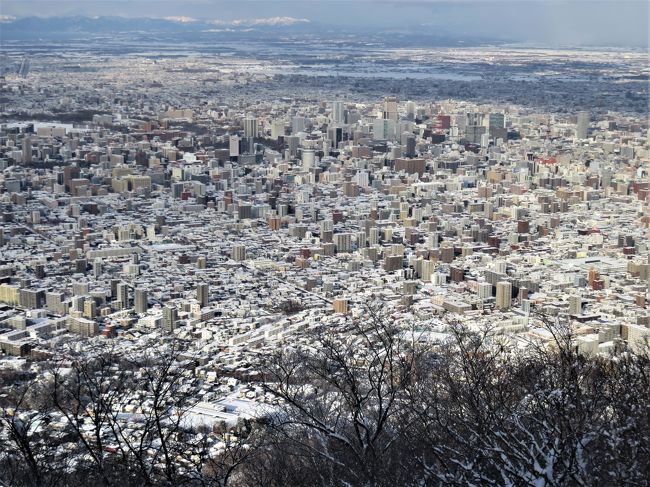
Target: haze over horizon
[{"x": 553, "y": 23}]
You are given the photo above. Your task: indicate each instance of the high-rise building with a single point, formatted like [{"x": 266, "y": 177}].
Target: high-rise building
[
  {"x": 169, "y": 318},
  {"x": 77, "y": 303},
  {"x": 443, "y": 122},
  {"x": 277, "y": 129},
  {"x": 32, "y": 298},
  {"x": 297, "y": 124},
  {"x": 292, "y": 143},
  {"x": 474, "y": 118},
  {"x": 582, "y": 126},
  {"x": 335, "y": 134},
  {"x": 408, "y": 141},
  {"x": 235, "y": 146},
  {"x": 575, "y": 304},
  {"x": 484, "y": 290},
  {"x": 393, "y": 263},
  {"x": 390, "y": 109},
  {"x": 308, "y": 158},
  {"x": 338, "y": 114},
  {"x": 248, "y": 145},
  {"x": 343, "y": 242},
  {"x": 123, "y": 294},
  {"x": 496, "y": 121},
  {"x": 504, "y": 294},
  {"x": 410, "y": 110},
  {"x": 384, "y": 129},
  {"x": 250, "y": 127},
  {"x": 54, "y": 302},
  {"x": 90, "y": 308},
  {"x": 27, "y": 150},
  {"x": 141, "y": 304},
  {"x": 238, "y": 253},
  {"x": 177, "y": 189},
  {"x": 473, "y": 133},
  {"x": 202, "y": 294}
]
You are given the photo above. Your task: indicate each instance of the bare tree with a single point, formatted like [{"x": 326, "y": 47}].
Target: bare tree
[
  {"x": 345, "y": 401},
  {"x": 28, "y": 451},
  {"x": 364, "y": 404}
]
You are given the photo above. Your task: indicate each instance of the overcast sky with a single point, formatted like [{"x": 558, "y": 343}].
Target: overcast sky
[{"x": 575, "y": 22}]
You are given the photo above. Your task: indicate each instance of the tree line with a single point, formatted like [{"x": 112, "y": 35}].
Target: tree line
[{"x": 369, "y": 404}]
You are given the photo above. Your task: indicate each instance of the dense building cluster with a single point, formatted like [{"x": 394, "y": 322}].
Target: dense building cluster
[{"x": 237, "y": 226}]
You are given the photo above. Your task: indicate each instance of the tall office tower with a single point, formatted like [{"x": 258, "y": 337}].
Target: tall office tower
[
  {"x": 97, "y": 268},
  {"x": 297, "y": 124},
  {"x": 170, "y": 315},
  {"x": 141, "y": 304},
  {"x": 277, "y": 129},
  {"x": 202, "y": 292},
  {"x": 248, "y": 145},
  {"x": 293, "y": 142},
  {"x": 238, "y": 253},
  {"x": 335, "y": 134},
  {"x": 123, "y": 294},
  {"x": 384, "y": 129},
  {"x": 582, "y": 127},
  {"x": 504, "y": 294},
  {"x": 496, "y": 121},
  {"x": 473, "y": 133},
  {"x": 408, "y": 141},
  {"x": 250, "y": 127},
  {"x": 27, "y": 150},
  {"x": 575, "y": 304},
  {"x": 338, "y": 114},
  {"x": 308, "y": 158},
  {"x": 390, "y": 109},
  {"x": 410, "y": 110},
  {"x": 235, "y": 146},
  {"x": 474, "y": 118}
]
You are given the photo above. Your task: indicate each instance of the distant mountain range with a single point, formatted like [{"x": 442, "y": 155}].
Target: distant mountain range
[
  {"x": 77, "y": 27},
  {"x": 187, "y": 29}
]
